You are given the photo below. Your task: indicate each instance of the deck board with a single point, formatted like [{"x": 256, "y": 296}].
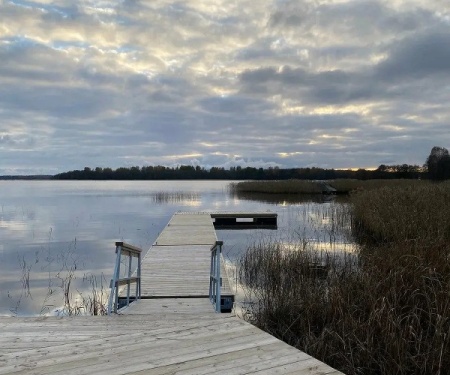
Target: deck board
[
  {"x": 155, "y": 344},
  {"x": 177, "y": 335},
  {"x": 178, "y": 271},
  {"x": 178, "y": 264}
]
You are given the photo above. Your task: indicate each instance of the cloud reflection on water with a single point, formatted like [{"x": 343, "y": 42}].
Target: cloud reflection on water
[{"x": 52, "y": 225}]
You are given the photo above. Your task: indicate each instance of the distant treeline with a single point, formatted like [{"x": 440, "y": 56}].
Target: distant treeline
[
  {"x": 187, "y": 172},
  {"x": 33, "y": 177}
]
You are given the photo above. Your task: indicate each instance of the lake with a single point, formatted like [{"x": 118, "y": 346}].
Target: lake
[{"x": 53, "y": 232}]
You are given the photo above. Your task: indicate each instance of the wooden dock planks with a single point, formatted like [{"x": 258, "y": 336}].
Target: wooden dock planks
[
  {"x": 178, "y": 264},
  {"x": 170, "y": 343},
  {"x": 160, "y": 335},
  {"x": 184, "y": 229},
  {"x": 175, "y": 271}
]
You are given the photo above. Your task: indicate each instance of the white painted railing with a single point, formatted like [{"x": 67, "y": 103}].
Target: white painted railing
[
  {"x": 215, "y": 281},
  {"x": 132, "y": 252}
]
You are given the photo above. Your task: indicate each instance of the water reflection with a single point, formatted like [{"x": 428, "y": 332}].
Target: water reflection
[
  {"x": 283, "y": 199},
  {"x": 54, "y": 231},
  {"x": 191, "y": 199}
]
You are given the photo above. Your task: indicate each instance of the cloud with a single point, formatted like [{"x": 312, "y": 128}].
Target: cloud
[
  {"x": 283, "y": 83},
  {"x": 424, "y": 55}
]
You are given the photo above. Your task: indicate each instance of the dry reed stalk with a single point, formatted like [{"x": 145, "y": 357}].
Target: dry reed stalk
[
  {"x": 277, "y": 187},
  {"x": 386, "y": 311}
]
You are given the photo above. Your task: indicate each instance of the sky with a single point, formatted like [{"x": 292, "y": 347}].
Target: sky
[{"x": 323, "y": 83}]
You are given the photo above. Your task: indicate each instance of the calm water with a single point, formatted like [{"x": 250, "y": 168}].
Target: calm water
[{"x": 51, "y": 230}]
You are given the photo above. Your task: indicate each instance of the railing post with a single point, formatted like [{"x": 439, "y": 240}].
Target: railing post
[
  {"x": 218, "y": 277},
  {"x": 116, "y": 281},
  {"x": 215, "y": 278},
  {"x": 114, "y": 295},
  {"x": 129, "y": 275},
  {"x": 211, "y": 277},
  {"x": 138, "y": 284}
]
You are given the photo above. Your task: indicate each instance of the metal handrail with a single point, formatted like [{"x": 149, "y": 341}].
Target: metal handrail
[
  {"x": 123, "y": 248},
  {"x": 215, "y": 281}
]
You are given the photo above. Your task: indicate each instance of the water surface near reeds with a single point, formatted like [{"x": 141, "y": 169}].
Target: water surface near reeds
[{"x": 55, "y": 232}]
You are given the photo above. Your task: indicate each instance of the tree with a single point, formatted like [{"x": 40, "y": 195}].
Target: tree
[{"x": 438, "y": 163}]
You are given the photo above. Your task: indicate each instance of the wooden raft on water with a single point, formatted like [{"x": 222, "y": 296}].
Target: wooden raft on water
[{"x": 172, "y": 330}]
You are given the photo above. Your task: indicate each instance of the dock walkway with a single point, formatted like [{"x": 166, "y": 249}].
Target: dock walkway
[
  {"x": 173, "y": 330},
  {"x": 178, "y": 263}
]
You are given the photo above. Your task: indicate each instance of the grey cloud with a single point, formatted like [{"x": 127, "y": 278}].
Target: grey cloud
[
  {"x": 325, "y": 87},
  {"x": 291, "y": 13},
  {"x": 417, "y": 57},
  {"x": 23, "y": 58},
  {"x": 234, "y": 105},
  {"x": 409, "y": 60},
  {"x": 142, "y": 83},
  {"x": 62, "y": 103},
  {"x": 6, "y": 140},
  {"x": 372, "y": 19}
]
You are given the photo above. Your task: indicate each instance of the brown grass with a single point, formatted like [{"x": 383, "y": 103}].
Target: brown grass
[
  {"x": 343, "y": 186},
  {"x": 349, "y": 185},
  {"x": 383, "y": 311},
  {"x": 419, "y": 212},
  {"x": 277, "y": 187}
]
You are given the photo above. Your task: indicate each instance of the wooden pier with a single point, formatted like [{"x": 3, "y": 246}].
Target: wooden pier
[
  {"x": 244, "y": 220},
  {"x": 178, "y": 264},
  {"x": 173, "y": 329}
]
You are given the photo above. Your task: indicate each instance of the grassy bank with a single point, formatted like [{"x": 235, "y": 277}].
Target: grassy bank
[
  {"x": 342, "y": 186},
  {"x": 417, "y": 213},
  {"x": 385, "y": 310},
  {"x": 277, "y": 187},
  {"x": 345, "y": 186}
]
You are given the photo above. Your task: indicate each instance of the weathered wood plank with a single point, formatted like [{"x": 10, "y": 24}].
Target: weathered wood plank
[
  {"x": 179, "y": 271},
  {"x": 190, "y": 306},
  {"x": 186, "y": 235},
  {"x": 155, "y": 344},
  {"x": 230, "y": 363},
  {"x": 155, "y": 336},
  {"x": 163, "y": 354},
  {"x": 191, "y": 219}
]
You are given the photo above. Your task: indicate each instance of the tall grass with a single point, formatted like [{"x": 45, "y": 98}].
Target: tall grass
[
  {"x": 163, "y": 197},
  {"x": 69, "y": 291},
  {"x": 277, "y": 187},
  {"x": 350, "y": 185},
  {"x": 418, "y": 213},
  {"x": 385, "y": 310},
  {"x": 342, "y": 186}
]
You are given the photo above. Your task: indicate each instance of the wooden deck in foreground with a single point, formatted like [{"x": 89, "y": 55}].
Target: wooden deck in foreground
[
  {"x": 174, "y": 331},
  {"x": 156, "y": 343}
]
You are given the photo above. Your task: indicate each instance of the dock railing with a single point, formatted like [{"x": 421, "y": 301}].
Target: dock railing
[
  {"x": 124, "y": 249},
  {"x": 215, "y": 280}
]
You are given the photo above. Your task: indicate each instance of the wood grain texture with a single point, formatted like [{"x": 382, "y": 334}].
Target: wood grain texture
[
  {"x": 156, "y": 336},
  {"x": 179, "y": 271},
  {"x": 174, "y": 342},
  {"x": 178, "y": 264}
]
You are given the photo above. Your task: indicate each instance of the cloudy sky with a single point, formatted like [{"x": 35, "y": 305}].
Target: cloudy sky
[{"x": 327, "y": 83}]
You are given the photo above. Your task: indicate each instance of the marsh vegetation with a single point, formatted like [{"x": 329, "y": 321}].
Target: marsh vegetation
[
  {"x": 285, "y": 187},
  {"x": 295, "y": 187},
  {"x": 69, "y": 290},
  {"x": 382, "y": 310}
]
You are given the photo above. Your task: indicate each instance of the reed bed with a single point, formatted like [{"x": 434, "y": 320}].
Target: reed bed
[
  {"x": 69, "y": 290},
  {"x": 345, "y": 186},
  {"x": 277, "y": 187},
  {"x": 384, "y": 310},
  {"x": 163, "y": 197},
  {"x": 419, "y": 212},
  {"x": 342, "y": 186}
]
